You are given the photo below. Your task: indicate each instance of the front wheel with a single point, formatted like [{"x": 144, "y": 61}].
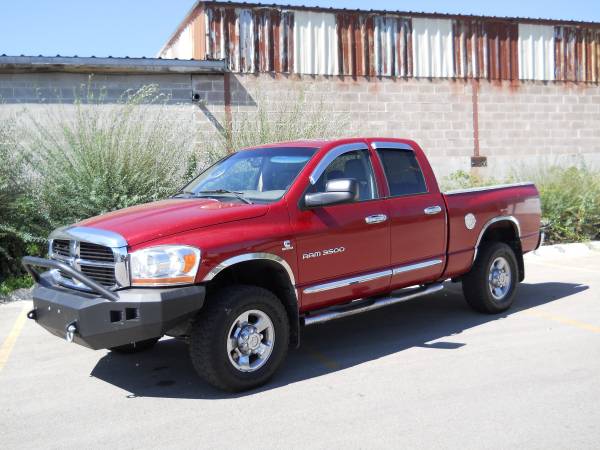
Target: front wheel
[
  {"x": 240, "y": 339},
  {"x": 490, "y": 285}
]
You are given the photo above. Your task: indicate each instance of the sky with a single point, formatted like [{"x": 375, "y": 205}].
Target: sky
[{"x": 140, "y": 27}]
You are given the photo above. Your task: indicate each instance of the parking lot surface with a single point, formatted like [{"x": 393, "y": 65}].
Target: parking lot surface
[{"x": 428, "y": 373}]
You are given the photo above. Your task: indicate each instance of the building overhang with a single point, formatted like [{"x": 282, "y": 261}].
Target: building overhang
[{"x": 121, "y": 65}]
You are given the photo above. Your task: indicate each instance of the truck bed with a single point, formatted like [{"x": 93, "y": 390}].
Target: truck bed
[{"x": 516, "y": 203}]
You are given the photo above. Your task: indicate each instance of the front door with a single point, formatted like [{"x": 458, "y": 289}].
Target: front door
[{"x": 343, "y": 250}]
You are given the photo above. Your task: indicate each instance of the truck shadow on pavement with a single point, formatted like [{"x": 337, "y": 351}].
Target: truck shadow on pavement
[{"x": 165, "y": 371}]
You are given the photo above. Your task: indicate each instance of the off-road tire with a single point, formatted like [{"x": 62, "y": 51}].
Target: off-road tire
[
  {"x": 209, "y": 333},
  {"x": 136, "y": 347},
  {"x": 475, "y": 284}
]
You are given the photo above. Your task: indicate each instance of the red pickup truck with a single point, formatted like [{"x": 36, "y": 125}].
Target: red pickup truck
[{"x": 274, "y": 238}]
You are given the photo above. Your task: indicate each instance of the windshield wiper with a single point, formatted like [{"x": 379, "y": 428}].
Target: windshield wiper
[{"x": 238, "y": 195}]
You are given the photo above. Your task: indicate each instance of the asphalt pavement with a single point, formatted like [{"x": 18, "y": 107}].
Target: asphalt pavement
[{"x": 428, "y": 373}]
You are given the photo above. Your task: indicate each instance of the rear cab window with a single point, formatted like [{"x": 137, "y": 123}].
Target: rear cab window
[{"x": 402, "y": 172}]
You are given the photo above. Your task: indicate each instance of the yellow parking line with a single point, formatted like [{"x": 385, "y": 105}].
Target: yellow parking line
[
  {"x": 564, "y": 320},
  {"x": 10, "y": 340},
  {"x": 558, "y": 266}
]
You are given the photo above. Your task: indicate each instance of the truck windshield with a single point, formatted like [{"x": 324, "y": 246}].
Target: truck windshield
[{"x": 260, "y": 175}]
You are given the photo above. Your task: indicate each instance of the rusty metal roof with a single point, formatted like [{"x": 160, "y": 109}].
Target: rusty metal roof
[
  {"x": 77, "y": 64},
  {"x": 541, "y": 21},
  {"x": 338, "y": 42},
  {"x": 538, "y": 20}
]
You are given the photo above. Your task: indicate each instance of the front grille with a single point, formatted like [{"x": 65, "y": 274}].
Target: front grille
[
  {"x": 95, "y": 252},
  {"x": 95, "y": 261},
  {"x": 103, "y": 275},
  {"x": 61, "y": 247}
]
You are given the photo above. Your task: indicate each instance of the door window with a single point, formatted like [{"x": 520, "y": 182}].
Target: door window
[
  {"x": 355, "y": 165},
  {"x": 402, "y": 171}
]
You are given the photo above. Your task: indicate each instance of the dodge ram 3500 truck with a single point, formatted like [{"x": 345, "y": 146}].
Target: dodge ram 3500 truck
[{"x": 274, "y": 238}]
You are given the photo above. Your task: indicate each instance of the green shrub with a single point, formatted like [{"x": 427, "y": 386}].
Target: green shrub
[
  {"x": 14, "y": 283},
  {"x": 93, "y": 157},
  {"x": 570, "y": 198},
  {"x": 289, "y": 119},
  {"x": 20, "y": 223},
  {"x": 461, "y": 179}
]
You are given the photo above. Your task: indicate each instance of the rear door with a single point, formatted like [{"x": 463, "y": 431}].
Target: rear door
[
  {"x": 343, "y": 250},
  {"x": 417, "y": 216}
]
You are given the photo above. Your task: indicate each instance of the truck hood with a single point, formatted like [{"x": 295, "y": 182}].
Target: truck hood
[{"x": 150, "y": 221}]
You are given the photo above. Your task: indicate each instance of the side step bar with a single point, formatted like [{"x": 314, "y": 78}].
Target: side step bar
[{"x": 378, "y": 302}]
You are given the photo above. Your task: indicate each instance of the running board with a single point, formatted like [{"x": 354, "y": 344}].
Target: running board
[{"x": 378, "y": 302}]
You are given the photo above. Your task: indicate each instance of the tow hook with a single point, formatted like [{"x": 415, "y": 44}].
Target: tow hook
[
  {"x": 70, "y": 331},
  {"x": 32, "y": 315}
]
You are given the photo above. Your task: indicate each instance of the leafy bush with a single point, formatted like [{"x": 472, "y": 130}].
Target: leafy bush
[
  {"x": 96, "y": 158},
  {"x": 20, "y": 223},
  {"x": 290, "y": 119},
  {"x": 14, "y": 283},
  {"x": 570, "y": 198},
  {"x": 461, "y": 179}
]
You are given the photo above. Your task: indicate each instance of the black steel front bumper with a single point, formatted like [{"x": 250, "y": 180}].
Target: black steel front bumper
[{"x": 105, "y": 319}]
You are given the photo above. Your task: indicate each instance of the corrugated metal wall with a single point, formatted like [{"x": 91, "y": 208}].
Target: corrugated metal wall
[
  {"x": 305, "y": 41},
  {"x": 577, "y": 54}
]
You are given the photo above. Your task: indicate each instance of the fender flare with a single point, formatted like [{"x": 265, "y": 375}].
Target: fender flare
[{"x": 512, "y": 219}]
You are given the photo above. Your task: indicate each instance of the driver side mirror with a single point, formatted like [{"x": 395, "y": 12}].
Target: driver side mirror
[{"x": 342, "y": 190}]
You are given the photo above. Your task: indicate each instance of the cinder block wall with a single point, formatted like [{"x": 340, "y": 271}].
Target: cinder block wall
[
  {"x": 522, "y": 124},
  {"x": 539, "y": 123}
]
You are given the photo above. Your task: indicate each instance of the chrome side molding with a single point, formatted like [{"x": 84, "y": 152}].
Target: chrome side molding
[
  {"x": 364, "y": 305},
  {"x": 347, "y": 282},
  {"x": 370, "y": 276},
  {"x": 487, "y": 188},
  {"x": 417, "y": 266}
]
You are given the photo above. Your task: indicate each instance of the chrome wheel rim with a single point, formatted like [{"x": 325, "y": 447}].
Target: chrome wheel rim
[
  {"x": 250, "y": 340},
  {"x": 499, "y": 278}
]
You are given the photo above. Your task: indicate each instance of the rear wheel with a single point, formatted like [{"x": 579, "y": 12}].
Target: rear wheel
[
  {"x": 136, "y": 347},
  {"x": 240, "y": 339},
  {"x": 490, "y": 285}
]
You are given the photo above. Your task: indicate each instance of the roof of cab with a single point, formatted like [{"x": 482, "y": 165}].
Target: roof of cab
[{"x": 318, "y": 143}]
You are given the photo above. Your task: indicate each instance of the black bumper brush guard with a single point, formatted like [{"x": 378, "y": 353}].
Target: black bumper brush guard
[{"x": 101, "y": 318}]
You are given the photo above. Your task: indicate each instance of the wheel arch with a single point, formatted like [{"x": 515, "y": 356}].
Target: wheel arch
[
  {"x": 264, "y": 270},
  {"x": 503, "y": 229}
]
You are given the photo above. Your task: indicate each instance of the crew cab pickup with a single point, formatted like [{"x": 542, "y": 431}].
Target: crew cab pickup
[{"x": 274, "y": 238}]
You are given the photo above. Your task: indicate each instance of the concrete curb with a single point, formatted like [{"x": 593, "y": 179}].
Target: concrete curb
[{"x": 576, "y": 249}]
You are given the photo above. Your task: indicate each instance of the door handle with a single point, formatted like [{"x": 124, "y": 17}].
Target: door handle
[
  {"x": 375, "y": 218},
  {"x": 432, "y": 210}
]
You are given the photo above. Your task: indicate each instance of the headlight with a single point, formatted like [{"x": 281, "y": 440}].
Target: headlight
[{"x": 164, "y": 265}]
